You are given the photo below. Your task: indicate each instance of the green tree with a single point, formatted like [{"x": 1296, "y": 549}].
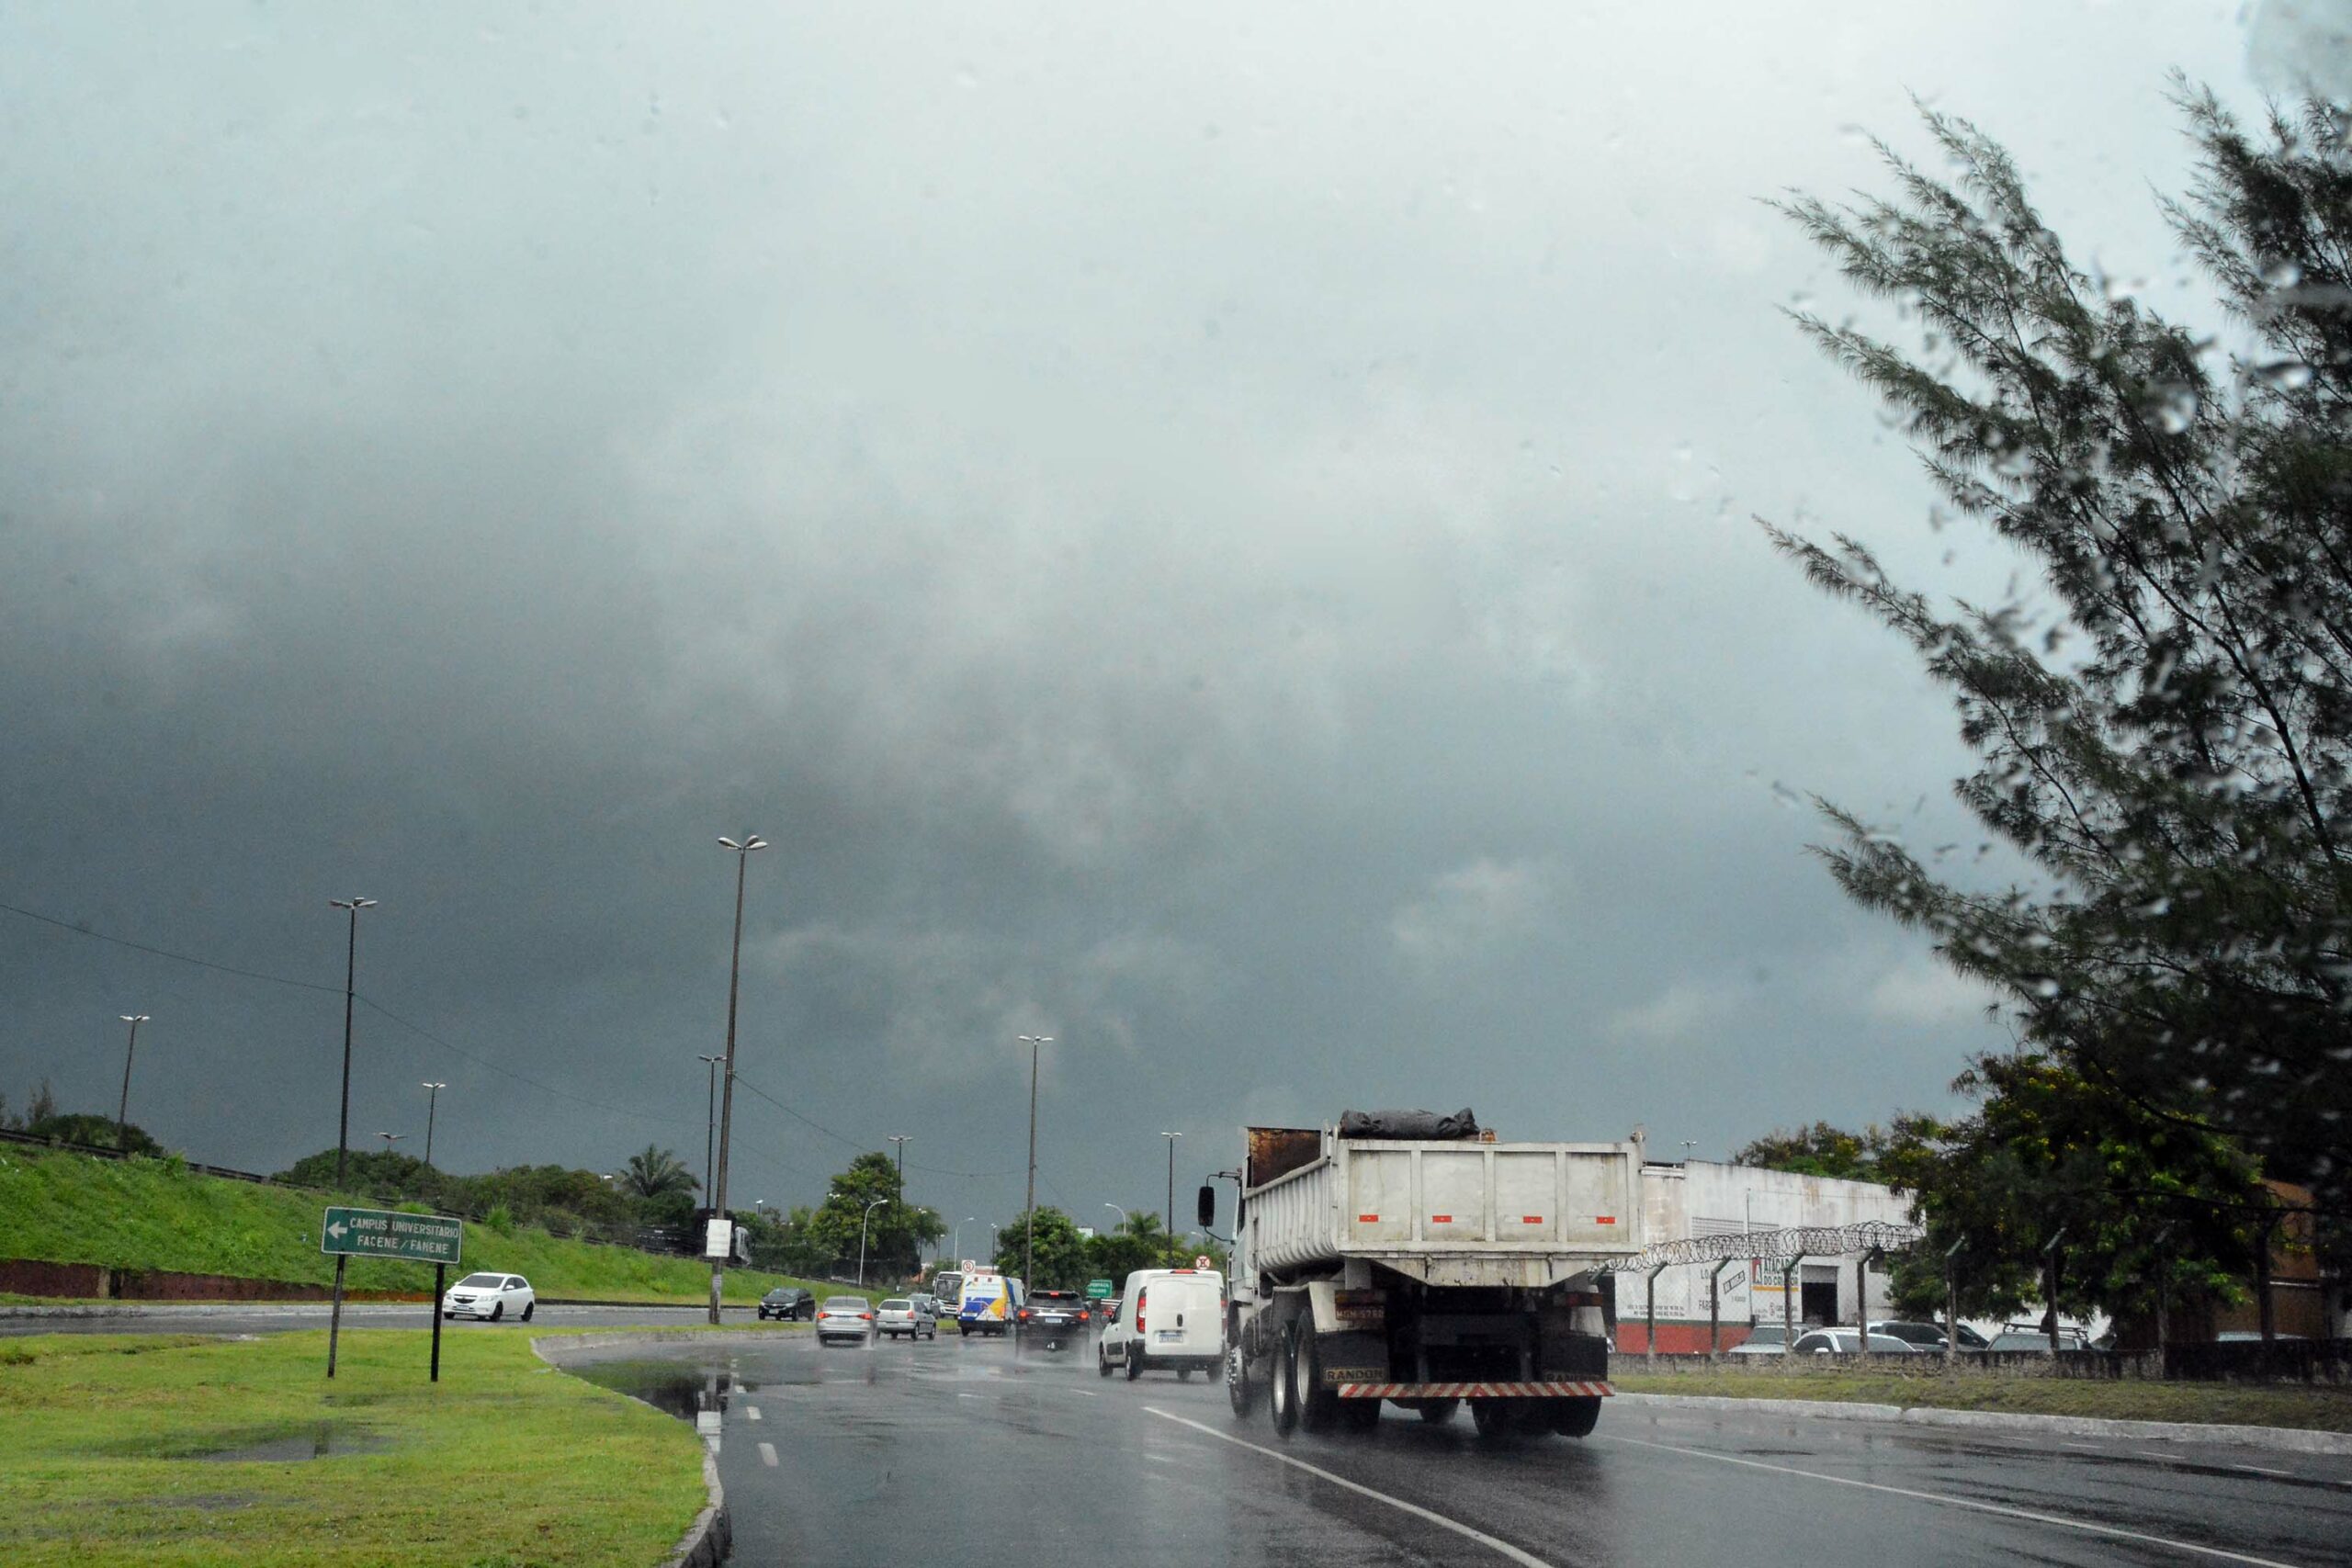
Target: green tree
[
  {"x": 654, "y": 1173},
  {"x": 868, "y": 1193},
  {"x": 97, "y": 1131},
  {"x": 1062, "y": 1261},
  {"x": 2164, "y": 735},
  {"x": 2144, "y": 1201},
  {"x": 1818, "y": 1150}
]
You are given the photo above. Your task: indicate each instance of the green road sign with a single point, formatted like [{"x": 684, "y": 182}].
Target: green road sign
[
  {"x": 383, "y": 1233},
  {"x": 1098, "y": 1289}
]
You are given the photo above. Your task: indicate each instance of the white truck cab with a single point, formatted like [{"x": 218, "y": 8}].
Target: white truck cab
[{"x": 1167, "y": 1319}]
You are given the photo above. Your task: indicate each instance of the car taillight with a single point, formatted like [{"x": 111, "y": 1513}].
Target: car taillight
[
  {"x": 867, "y": 1315},
  {"x": 1081, "y": 1314},
  {"x": 1024, "y": 1315}
]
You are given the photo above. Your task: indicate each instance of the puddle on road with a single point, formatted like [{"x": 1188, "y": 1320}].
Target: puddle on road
[
  {"x": 698, "y": 1394},
  {"x": 324, "y": 1441}
]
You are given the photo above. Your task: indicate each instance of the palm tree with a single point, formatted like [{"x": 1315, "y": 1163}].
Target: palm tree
[{"x": 656, "y": 1172}]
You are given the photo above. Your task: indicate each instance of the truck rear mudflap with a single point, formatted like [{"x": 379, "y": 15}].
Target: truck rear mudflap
[{"x": 1475, "y": 1390}]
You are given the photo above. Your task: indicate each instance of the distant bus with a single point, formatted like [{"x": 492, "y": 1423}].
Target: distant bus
[{"x": 948, "y": 1286}]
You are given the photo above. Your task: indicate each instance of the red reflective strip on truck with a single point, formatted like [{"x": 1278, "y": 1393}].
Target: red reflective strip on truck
[
  {"x": 1604, "y": 1219},
  {"x": 1530, "y": 1219},
  {"x": 1440, "y": 1219},
  {"x": 1367, "y": 1219},
  {"x": 1476, "y": 1390}
]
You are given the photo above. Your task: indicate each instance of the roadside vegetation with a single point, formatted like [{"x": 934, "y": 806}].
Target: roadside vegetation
[
  {"x": 2228, "y": 1405},
  {"x": 121, "y": 1448},
  {"x": 157, "y": 1214}
]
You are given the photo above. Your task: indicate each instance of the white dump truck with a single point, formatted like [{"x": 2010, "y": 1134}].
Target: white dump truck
[{"x": 1413, "y": 1257}]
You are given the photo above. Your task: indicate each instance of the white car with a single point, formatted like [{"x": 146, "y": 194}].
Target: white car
[
  {"x": 1167, "y": 1318},
  {"x": 490, "y": 1296},
  {"x": 846, "y": 1318}
]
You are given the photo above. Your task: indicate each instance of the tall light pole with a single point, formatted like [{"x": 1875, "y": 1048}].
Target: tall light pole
[
  {"x": 956, "y": 1243},
  {"x": 861, "y": 1238},
  {"x": 742, "y": 850},
  {"x": 432, "y": 1104},
  {"x": 709, "y": 1122},
  {"x": 122, "y": 1111},
  {"x": 1029, "y": 1241},
  {"x": 1169, "y": 1223},
  {"x": 1121, "y": 1213},
  {"x": 902, "y": 1140},
  {"x": 350, "y": 969}
]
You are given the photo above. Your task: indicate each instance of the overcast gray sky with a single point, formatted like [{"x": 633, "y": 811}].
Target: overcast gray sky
[{"x": 1220, "y": 534}]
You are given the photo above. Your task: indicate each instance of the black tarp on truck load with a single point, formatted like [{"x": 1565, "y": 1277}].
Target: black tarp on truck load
[{"x": 1409, "y": 1125}]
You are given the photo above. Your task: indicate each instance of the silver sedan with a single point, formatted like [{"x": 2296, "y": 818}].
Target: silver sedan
[{"x": 899, "y": 1316}]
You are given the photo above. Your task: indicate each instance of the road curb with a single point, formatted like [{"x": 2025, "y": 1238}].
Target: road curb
[
  {"x": 712, "y": 1535},
  {"x": 2280, "y": 1440}
]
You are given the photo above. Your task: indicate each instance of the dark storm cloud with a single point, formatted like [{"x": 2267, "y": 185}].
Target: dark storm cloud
[{"x": 1224, "y": 541}]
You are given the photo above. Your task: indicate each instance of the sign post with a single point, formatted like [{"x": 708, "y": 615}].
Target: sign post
[{"x": 347, "y": 1234}]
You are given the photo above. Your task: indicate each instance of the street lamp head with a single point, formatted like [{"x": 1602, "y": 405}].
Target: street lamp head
[
  {"x": 1035, "y": 1039},
  {"x": 132, "y": 1017},
  {"x": 353, "y": 903},
  {"x": 429, "y": 1084},
  {"x": 744, "y": 846}
]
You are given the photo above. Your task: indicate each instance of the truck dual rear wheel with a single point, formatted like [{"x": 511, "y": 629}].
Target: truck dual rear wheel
[
  {"x": 1318, "y": 1407},
  {"x": 1283, "y": 1388},
  {"x": 1575, "y": 1418},
  {"x": 1238, "y": 1387}
]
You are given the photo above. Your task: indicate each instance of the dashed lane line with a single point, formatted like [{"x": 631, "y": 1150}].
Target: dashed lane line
[
  {"x": 1503, "y": 1547},
  {"x": 767, "y": 1455},
  {"x": 2112, "y": 1531}
]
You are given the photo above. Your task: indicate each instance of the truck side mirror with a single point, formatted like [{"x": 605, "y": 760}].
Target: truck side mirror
[{"x": 1207, "y": 1216}]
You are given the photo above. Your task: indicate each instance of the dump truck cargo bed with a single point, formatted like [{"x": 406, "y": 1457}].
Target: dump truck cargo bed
[{"x": 1451, "y": 1212}]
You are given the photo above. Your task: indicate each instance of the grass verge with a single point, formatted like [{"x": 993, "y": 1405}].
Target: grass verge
[
  {"x": 144, "y": 1213},
  {"x": 506, "y": 1461},
  {"x": 2320, "y": 1409}
]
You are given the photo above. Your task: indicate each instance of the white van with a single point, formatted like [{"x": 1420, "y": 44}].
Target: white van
[
  {"x": 1167, "y": 1318},
  {"x": 992, "y": 1303}
]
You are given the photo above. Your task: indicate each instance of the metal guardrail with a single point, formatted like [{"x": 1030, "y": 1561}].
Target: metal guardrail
[{"x": 1799, "y": 1241}]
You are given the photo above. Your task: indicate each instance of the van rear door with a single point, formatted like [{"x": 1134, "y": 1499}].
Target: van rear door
[{"x": 1183, "y": 1316}]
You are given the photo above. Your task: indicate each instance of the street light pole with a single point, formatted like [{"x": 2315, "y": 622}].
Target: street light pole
[
  {"x": 902, "y": 1140},
  {"x": 390, "y": 1139},
  {"x": 1029, "y": 1241},
  {"x": 1116, "y": 1210},
  {"x": 955, "y": 1242},
  {"x": 122, "y": 1112},
  {"x": 1169, "y": 1223},
  {"x": 432, "y": 1104},
  {"x": 742, "y": 851},
  {"x": 709, "y": 1122},
  {"x": 350, "y": 969},
  {"x": 862, "y": 1238}
]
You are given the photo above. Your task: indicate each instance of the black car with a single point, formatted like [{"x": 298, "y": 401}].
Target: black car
[
  {"x": 788, "y": 1302},
  {"x": 1054, "y": 1318}
]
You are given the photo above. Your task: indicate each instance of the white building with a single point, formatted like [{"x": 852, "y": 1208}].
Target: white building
[{"x": 1702, "y": 1198}]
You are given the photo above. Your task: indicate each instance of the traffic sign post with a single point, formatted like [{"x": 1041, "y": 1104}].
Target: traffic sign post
[
  {"x": 388, "y": 1232},
  {"x": 1098, "y": 1289}
]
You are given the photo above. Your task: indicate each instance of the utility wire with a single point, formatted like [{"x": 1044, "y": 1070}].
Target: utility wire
[{"x": 166, "y": 952}]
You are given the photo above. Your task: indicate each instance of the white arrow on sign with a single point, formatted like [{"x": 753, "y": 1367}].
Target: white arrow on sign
[{"x": 336, "y": 1230}]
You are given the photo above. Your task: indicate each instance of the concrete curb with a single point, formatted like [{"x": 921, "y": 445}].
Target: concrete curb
[
  {"x": 712, "y": 1535},
  {"x": 2280, "y": 1440}
]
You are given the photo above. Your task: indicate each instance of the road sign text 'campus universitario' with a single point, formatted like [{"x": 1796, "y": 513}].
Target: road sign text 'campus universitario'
[{"x": 385, "y": 1233}]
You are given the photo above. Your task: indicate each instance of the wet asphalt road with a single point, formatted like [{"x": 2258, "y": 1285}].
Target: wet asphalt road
[
  {"x": 902, "y": 1453},
  {"x": 167, "y": 1319}
]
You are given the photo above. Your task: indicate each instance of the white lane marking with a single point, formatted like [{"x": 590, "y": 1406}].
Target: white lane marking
[
  {"x": 2264, "y": 1469},
  {"x": 752, "y": 1410},
  {"x": 2059, "y": 1519},
  {"x": 968, "y": 1396},
  {"x": 767, "y": 1455},
  {"x": 1456, "y": 1526},
  {"x": 1083, "y": 1393},
  {"x": 2156, "y": 1453}
]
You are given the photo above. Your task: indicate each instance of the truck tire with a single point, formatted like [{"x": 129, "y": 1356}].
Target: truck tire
[
  {"x": 1238, "y": 1391},
  {"x": 1318, "y": 1407},
  {"x": 1494, "y": 1418},
  {"x": 1438, "y": 1412},
  {"x": 1281, "y": 1387},
  {"x": 1575, "y": 1418}
]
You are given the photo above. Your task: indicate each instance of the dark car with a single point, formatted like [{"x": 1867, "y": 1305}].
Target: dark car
[
  {"x": 787, "y": 1303},
  {"x": 1054, "y": 1318}
]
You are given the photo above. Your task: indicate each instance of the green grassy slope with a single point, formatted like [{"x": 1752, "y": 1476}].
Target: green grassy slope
[{"x": 58, "y": 1207}]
